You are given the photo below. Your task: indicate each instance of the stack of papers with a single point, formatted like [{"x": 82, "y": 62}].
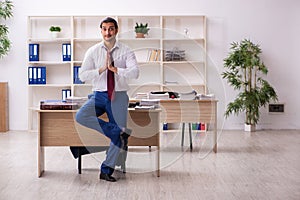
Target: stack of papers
[
  {"x": 145, "y": 107},
  {"x": 78, "y": 100},
  {"x": 188, "y": 96},
  {"x": 205, "y": 96},
  {"x": 141, "y": 95},
  {"x": 158, "y": 95},
  {"x": 148, "y": 104}
]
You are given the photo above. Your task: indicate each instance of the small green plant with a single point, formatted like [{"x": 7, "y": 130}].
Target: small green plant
[
  {"x": 5, "y": 13},
  {"x": 141, "y": 28},
  {"x": 55, "y": 28}
]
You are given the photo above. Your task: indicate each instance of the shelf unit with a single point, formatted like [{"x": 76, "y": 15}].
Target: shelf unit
[{"x": 166, "y": 33}]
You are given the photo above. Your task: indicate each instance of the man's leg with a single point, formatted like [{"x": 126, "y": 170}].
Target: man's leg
[
  {"x": 117, "y": 114},
  {"x": 120, "y": 111},
  {"x": 87, "y": 116}
]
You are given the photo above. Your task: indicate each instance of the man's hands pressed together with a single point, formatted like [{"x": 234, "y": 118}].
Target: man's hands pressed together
[{"x": 108, "y": 65}]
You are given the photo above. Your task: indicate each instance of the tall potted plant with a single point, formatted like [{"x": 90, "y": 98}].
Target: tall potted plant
[
  {"x": 5, "y": 13},
  {"x": 244, "y": 72}
]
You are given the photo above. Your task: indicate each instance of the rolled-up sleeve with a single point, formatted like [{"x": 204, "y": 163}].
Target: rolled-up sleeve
[{"x": 88, "y": 70}]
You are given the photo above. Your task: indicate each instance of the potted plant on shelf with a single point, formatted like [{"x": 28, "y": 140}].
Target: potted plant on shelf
[
  {"x": 141, "y": 29},
  {"x": 54, "y": 31},
  {"x": 245, "y": 71},
  {"x": 5, "y": 13}
]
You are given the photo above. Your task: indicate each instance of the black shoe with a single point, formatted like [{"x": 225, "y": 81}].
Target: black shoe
[
  {"x": 124, "y": 137},
  {"x": 126, "y": 132},
  {"x": 107, "y": 177}
]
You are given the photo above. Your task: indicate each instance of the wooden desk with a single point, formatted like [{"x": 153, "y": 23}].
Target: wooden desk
[
  {"x": 59, "y": 128},
  {"x": 191, "y": 111}
]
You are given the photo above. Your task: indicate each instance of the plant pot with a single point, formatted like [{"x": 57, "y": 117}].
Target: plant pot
[
  {"x": 140, "y": 35},
  {"x": 249, "y": 127},
  {"x": 54, "y": 34}
]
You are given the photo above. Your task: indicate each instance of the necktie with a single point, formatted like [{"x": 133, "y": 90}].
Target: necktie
[{"x": 110, "y": 81}]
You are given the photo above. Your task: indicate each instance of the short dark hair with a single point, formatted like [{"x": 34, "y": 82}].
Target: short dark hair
[{"x": 108, "y": 20}]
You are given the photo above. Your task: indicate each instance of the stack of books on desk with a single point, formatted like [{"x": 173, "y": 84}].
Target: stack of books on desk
[
  {"x": 57, "y": 105},
  {"x": 146, "y": 104}
]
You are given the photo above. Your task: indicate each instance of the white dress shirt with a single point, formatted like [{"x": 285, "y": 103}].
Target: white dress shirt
[{"x": 95, "y": 57}]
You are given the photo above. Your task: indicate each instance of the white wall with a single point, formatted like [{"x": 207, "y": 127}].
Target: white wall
[{"x": 274, "y": 24}]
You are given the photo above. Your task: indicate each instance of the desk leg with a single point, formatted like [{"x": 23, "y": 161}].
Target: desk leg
[
  {"x": 79, "y": 160},
  {"x": 215, "y": 141},
  {"x": 158, "y": 161},
  {"x": 41, "y": 161},
  {"x": 215, "y": 130},
  {"x": 190, "y": 134},
  {"x": 182, "y": 134},
  {"x": 40, "y": 150}
]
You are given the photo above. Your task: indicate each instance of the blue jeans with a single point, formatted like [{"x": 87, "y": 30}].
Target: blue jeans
[{"x": 116, "y": 111}]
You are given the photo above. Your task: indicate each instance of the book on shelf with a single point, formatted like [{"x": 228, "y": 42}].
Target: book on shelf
[
  {"x": 154, "y": 55},
  {"x": 66, "y": 52},
  {"x": 202, "y": 126},
  {"x": 34, "y": 52},
  {"x": 165, "y": 126},
  {"x": 195, "y": 126},
  {"x": 157, "y": 58},
  {"x": 37, "y": 75}
]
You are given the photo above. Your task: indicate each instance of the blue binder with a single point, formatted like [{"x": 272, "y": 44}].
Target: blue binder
[
  {"x": 66, "y": 52},
  {"x": 34, "y": 52},
  {"x": 34, "y": 75},
  {"x": 37, "y": 75},
  {"x": 76, "y": 79},
  {"x": 43, "y": 81},
  {"x": 30, "y": 75},
  {"x": 66, "y": 93}
]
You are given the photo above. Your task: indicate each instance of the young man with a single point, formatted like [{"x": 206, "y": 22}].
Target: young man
[{"x": 108, "y": 65}]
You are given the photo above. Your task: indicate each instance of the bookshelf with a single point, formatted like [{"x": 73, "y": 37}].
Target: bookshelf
[{"x": 167, "y": 34}]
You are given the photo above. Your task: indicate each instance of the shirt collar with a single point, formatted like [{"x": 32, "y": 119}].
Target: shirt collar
[{"x": 115, "y": 47}]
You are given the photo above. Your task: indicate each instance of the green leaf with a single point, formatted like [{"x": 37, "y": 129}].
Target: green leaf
[{"x": 5, "y": 13}]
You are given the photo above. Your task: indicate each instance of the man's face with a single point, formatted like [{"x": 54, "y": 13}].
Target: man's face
[{"x": 109, "y": 31}]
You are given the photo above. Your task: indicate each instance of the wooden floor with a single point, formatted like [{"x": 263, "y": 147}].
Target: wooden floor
[{"x": 260, "y": 165}]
